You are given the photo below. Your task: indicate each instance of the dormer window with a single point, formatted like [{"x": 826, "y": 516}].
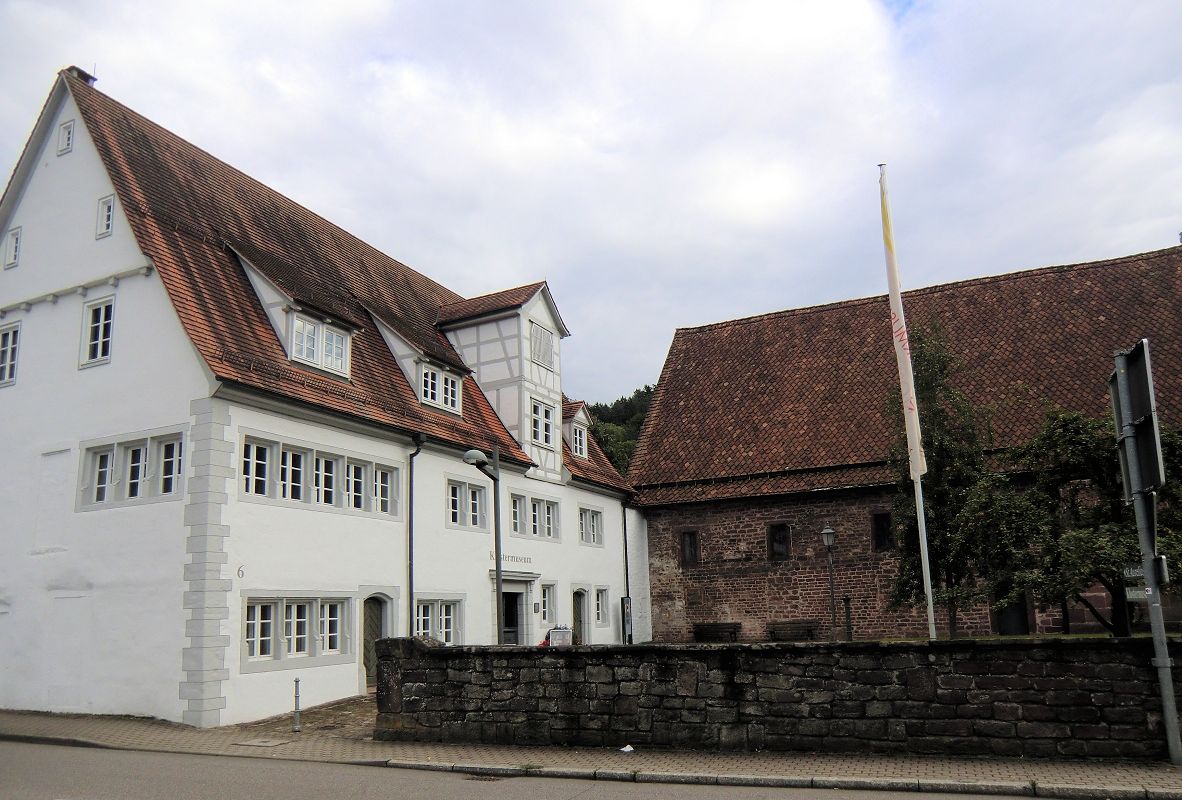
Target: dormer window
[
  {"x": 579, "y": 441},
  {"x": 320, "y": 344},
  {"x": 65, "y": 138},
  {"x": 440, "y": 388}
]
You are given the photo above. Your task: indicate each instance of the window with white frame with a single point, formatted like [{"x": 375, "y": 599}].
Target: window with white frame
[
  {"x": 320, "y": 344},
  {"x": 542, "y": 423},
  {"x": 602, "y": 612},
  {"x": 267, "y": 644},
  {"x": 548, "y": 610},
  {"x": 65, "y": 137},
  {"x": 590, "y": 526},
  {"x": 12, "y": 248},
  {"x": 131, "y": 472},
  {"x": 465, "y": 504},
  {"x": 9, "y": 346},
  {"x": 438, "y": 619},
  {"x": 543, "y": 519},
  {"x": 518, "y": 514},
  {"x": 440, "y": 388},
  {"x": 541, "y": 346},
  {"x": 106, "y": 217},
  {"x": 96, "y": 332},
  {"x": 347, "y": 482},
  {"x": 579, "y": 441}
]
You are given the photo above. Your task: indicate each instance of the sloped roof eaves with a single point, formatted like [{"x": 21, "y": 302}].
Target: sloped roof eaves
[
  {"x": 806, "y": 388},
  {"x": 505, "y": 300},
  {"x": 219, "y": 310},
  {"x": 596, "y": 468},
  {"x": 861, "y": 476}
]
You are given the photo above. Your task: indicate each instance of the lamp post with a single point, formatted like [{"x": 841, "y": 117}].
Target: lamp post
[
  {"x": 828, "y": 537},
  {"x": 493, "y": 470}
]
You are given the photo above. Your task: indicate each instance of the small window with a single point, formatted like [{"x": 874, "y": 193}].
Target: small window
[
  {"x": 543, "y": 519},
  {"x": 135, "y": 467},
  {"x": 65, "y": 138},
  {"x": 437, "y": 619},
  {"x": 385, "y": 485},
  {"x": 99, "y": 322},
  {"x": 548, "y": 602},
  {"x": 260, "y": 622},
  {"x": 579, "y": 445},
  {"x": 169, "y": 458},
  {"x": 106, "y": 217},
  {"x": 882, "y": 531},
  {"x": 779, "y": 542},
  {"x": 254, "y": 467},
  {"x": 12, "y": 248},
  {"x": 330, "y": 627},
  {"x": 9, "y": 344},
  {"x": 324, "y": 479},
  {"x": 295, "y": 628},
  {"x": 542, "y": 423},
  {"x": 291, "y": 474},
  {"x": 465, "y": 504},
  {"x": 541, "y": 346},
  {"x": 601, "y": 607},
  {"x": 518, "y": 514},
  {"x": 320, "y": 345},
  {"x": 440, "y": 389},
  {"x": 102, "y": 464},
  {"x": 590, "y": 526},
  {"x": 689, "y": 548}
]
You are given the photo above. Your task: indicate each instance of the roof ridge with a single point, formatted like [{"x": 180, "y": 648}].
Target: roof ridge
[{"x": 935, "y": 288}]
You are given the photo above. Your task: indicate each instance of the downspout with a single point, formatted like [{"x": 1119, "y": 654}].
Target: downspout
[
  {"x": 627, "y": 577},
  {"x": 417, "y": 438}
]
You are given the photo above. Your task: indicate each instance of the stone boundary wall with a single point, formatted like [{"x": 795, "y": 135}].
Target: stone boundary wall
[{"x": 1037, "y": 697}]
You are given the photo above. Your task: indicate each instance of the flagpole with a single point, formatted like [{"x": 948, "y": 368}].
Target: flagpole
[{"x": 916, "y": 461}]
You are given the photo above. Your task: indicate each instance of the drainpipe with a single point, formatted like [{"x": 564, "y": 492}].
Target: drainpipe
[
  {"x": 417, "y": 438},
  {"x": 627, "y": 578}
]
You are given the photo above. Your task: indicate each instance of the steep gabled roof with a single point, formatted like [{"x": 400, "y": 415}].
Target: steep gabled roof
[
  {"x": 595, "y": 468},
  {"x": 571, "y": 407},
  {"x": 797, "y": 400},
  {"x": 504, "y": 300},
  {"x": 192, "y": 214}
]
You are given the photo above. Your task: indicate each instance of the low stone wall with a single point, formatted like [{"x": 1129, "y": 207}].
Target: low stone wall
[{"x": 1039, "y": 698}]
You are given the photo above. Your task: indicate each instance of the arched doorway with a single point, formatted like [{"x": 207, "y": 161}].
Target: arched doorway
[
  {"x": 373, "y": 628},
  {"x": 579, "y": 617}
]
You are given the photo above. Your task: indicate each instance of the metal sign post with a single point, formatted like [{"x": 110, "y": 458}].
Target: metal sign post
[{"x": 1135, "y": 413}]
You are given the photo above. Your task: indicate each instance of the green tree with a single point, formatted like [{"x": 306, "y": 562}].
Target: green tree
[
  {"x": 975, "y": 520},
  {"x": 617, "y": 425}
]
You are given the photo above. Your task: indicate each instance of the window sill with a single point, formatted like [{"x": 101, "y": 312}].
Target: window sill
[{"x": 257, "y": 665}]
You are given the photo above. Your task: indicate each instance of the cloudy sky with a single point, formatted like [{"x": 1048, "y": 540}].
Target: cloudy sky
[{"x": 661, "y": 164}]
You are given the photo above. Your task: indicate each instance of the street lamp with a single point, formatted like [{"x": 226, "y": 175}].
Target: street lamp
[
  {"x": 492, "y": 469},
  {"x": 829, "y": 537}
]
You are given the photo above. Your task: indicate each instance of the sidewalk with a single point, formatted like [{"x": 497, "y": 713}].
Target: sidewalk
[{"x": 339, "y": 732}]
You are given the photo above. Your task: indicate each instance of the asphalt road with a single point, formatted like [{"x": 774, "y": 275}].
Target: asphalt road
[{"x": 49, "y": 772}]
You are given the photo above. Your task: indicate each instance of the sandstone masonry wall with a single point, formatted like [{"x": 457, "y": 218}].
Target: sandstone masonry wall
[{"x": 1035, "y": 698}]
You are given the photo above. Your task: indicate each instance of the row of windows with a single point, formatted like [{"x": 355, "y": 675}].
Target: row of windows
[
  {"x": 439, "y": 619},
  {"x": 779, "y": 540},
  {"x": 103, "y": 226},
  {"x": 136, "y": 470},
  {"x": 303, "y": 475},
  {"x": 98, "y": 324},
  {"x": 531, "y": 516},
  {"x": 277, "y": 628}
]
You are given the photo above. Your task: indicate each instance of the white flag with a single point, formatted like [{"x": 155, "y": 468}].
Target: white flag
[{"x": 899, "y": 334}]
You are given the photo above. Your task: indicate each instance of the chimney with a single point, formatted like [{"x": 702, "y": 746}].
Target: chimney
[{"x": 82, "y": 74}]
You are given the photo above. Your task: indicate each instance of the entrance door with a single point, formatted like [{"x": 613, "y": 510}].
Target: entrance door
[
  {"x": 374, "y": 629},
  {"x": 1014, "y": 619},
  {"x": 579, "y": 607},
  {"x": 511, "y": 621}
]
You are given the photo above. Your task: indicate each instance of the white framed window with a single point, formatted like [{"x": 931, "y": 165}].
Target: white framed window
[
  {"x": 548, "y": 609},
  {"x": 291, "y": 474},
  {"x": 438, "y": 619},
  {"x": 135, "y": 469},
  {"x": 440, "y": 388},
  {"x": 97, "y": 327},
  {"x": 330, "y": 626},
  {"x": 602, "y": 612},
  {"x": 355, "y": 485},
  {"x": 590, "y": 526},
  {"x": 131, "y": 472},
  {"x": 295, "y": 627},
  {"x": 9, "y": 347},
  {"x": 543, "y": 519},
  {"x": 465, "y": 505},
  {"x": 12, "y": 248},
  {"x": 255, "y": 459},
  {"x": 324, "y": 480},
  {"x": 541, "y": 346},
  {"x": 518, "y": 513},
  {"x": 579, "y": 441},
  {"x": 65, "y": 137},
  {"x": 385, "y": 487},
  {"x": 169, "y": 456},
  {"x": 542, "y": 423},
  {"x": 106, "y": 217},
  {"x": 259, "y": 634},
  {"x": 320, "y": 344}
]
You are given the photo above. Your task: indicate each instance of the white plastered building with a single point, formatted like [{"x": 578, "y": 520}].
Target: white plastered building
[{"x": 234, "y": 437}]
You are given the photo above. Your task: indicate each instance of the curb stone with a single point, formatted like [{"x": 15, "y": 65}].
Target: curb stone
[
  {"x": 431, "y": 766},
  {"x": 882, "y": 784},
  {"x": 1025, "y": 788},
  {"x": 1068, "y": 791},
  {"x": 615, "y": 775},
  {"x": 676, "y": 777},
  {"x": 776, "y": 781}
]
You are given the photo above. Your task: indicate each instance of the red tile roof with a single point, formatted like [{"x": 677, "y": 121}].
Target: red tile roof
[
  {"x": 797, "y": 400},
  {"x": 595, "y": 468},
  {"x": 505, "y": 300},
  {"x": 191, "y": 213},
  {"x": 570, "y": 408}
]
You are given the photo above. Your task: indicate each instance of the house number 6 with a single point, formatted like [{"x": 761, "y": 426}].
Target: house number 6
[{"x": 242, "y": 571}]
